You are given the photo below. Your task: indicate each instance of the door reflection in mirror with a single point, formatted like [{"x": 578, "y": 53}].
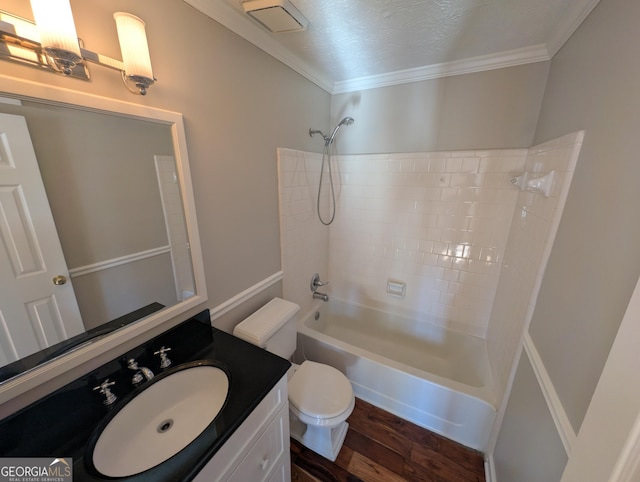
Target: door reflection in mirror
[
  {"x": 36, "y": 308},
  {"x": 111, "y": 184}
]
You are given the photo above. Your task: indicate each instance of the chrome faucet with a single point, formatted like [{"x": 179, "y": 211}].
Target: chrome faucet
[
  {"x": 320, "y": 296},
  {"x": 142, "y": 373},
  {"x": 109, "y": 397},
  {"x": 315, "y": 284}
]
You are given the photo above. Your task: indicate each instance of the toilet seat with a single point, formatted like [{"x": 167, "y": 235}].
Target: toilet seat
[
  {"x": 324, "y": 422},
  {"x": 321, "y": 393}
]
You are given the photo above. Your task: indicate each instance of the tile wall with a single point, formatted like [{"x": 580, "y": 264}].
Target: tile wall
[
  {"x": 304, "y": 240},
  {"x": 471, "y": 247},
  {"x": 533, "y": 229},
  {"x": 436, "y": 221}
]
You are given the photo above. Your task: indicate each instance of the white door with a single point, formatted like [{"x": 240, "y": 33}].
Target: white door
[{"x": 38, "y": 306}]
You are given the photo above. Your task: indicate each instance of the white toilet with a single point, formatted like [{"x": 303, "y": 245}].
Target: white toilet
[{"x": 320, "y": 397}]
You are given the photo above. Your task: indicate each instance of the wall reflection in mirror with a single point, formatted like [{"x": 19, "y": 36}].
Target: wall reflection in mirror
[{"x": 104, "y": 188}]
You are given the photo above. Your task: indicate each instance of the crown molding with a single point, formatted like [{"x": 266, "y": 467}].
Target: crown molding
[
  {"x": 526, "y": 55},
  {"x": 569, "y": 24},
  {"x": 234, "y": 19}
]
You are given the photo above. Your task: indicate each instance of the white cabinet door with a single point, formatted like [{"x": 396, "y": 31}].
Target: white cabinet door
[
  {"x": 267, "y": 454},
  {"x": 259, "y": 449},
  {"x": 34, "y": 311}
]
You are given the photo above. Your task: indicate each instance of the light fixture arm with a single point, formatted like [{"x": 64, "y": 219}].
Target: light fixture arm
[
  {"x": 60, "y": 60},
  {"x": 140, "y": 82},
  {"x": 22, "y": 44}
]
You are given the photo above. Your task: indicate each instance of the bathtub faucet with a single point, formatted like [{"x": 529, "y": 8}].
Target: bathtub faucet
[
  {"x": 316, "y": 283},
  {"x": 320, "y": 296}
]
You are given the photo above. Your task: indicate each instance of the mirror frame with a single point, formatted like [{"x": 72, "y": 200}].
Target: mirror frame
[{"x": 44, "y": 93}]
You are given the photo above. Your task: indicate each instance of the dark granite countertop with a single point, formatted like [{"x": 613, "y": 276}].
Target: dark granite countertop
[{"x": 61, "y": 424}]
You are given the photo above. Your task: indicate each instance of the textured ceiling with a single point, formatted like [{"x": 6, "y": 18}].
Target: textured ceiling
[{"x": 366, "y": 39}]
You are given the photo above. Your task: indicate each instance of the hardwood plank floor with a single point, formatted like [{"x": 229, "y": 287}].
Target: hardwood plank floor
[{"x": 381, "y": 447}]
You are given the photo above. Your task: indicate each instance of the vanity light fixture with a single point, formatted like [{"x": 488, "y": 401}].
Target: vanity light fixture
[
  {"x": 51, "y": 43},
  {"x": 135, "y": 51},
  {"x": 58, "y": 37}
]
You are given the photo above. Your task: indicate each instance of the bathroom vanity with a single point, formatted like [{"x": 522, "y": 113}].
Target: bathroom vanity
[
  {"x": 247, "y": 440},
  {"x": 259, "y": 449}
]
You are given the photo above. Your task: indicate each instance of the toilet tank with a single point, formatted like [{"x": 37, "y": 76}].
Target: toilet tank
[{"x": 272, "y": 327}]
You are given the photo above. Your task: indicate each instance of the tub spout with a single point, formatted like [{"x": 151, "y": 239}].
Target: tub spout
[{"x": 320, "y": 296}]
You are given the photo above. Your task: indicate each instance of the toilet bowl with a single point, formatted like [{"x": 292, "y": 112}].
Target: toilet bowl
[
  {"x": 320, "y": 401},
  {"x": 321, "y": 398}
]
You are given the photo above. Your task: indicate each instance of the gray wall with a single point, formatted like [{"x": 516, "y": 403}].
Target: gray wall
[
  {"x": 484, "y": 110},
  {"x": 526, "y": 451},
  {"x": 595, "y": 262},
  {"x": 95, "y": 169}
]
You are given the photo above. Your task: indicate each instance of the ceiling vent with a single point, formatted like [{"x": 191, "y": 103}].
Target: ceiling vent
[{"x": 276, "y": 15}]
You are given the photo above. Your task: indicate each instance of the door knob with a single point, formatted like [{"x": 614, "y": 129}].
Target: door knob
[{"x": 59, "y": 280}]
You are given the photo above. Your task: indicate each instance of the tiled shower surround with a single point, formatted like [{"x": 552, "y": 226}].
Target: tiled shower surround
[
  {"x": 471, "y": 247},
  {"x": 533, "y": 230},
  {"x": 437, "y": 221}
]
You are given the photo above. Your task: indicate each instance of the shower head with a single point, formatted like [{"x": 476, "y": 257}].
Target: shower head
[
  {"x": 347, "y": 121},
  {"x": 328, "y": 140}
]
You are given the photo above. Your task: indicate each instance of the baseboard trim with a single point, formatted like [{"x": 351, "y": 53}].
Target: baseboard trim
[
  {"x": 563, "y": 425},
  {"x": 231, "y": 303},
  {"x": 490, "y": 470}
]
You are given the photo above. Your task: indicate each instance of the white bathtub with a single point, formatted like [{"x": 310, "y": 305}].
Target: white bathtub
[{"x": 431, "y": 376}]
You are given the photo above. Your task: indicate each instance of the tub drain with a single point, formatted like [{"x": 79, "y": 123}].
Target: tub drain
[
  {"x": 165, "y": 426},
  {"x": 316, "y": 315}
]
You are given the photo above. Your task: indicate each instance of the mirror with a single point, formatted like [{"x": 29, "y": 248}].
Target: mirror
[{"x": 117, "y": 182}]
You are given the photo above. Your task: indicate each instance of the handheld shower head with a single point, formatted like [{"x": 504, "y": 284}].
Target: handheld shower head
[
  {"x": 326, "y": 158},
  {"x": 347, "y": 121}
]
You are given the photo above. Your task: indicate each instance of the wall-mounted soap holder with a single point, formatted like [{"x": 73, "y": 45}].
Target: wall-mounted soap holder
[
  {"x": 396, "y": 287},
  {"x": 542, "y": 184}
]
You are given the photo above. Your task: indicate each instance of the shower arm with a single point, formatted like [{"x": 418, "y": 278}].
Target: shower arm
[{"x": 313, "y": 132}]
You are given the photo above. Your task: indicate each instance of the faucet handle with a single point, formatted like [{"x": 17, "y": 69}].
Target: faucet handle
[
  {"x": 316, "y": 283},
  {"x": 110, "y": 398},
  {"x": 164, "y": 359}
]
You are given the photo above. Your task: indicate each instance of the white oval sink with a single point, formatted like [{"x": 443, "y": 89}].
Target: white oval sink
[{"x": 160, "y": 421}]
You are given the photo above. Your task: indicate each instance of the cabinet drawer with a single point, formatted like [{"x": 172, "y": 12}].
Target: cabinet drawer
[{"x": 266, "y": 453}]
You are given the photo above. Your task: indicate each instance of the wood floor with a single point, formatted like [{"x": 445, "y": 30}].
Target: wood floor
[{"x": 381, "y": 447}]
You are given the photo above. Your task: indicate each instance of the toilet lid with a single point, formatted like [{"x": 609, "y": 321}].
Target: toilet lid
[{"x": 319, "y": 391}]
